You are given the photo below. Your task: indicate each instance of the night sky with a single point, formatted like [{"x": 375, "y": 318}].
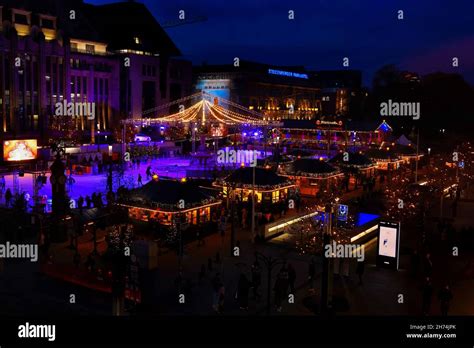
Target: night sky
[{"x": 325, "y": 31}]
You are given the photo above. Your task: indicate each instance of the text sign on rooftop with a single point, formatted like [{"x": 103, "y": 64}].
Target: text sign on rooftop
[{"x": 287, "y": 73}]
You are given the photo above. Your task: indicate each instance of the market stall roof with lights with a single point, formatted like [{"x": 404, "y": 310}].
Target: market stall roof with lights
[
  {"x": 269, "y": 187},
  {"x": 355, "y": 160},
  {"x": 386, "y": 154},
  {"x": 264, "y": 178},
  {"x": 166, "y": 195},
  {"x": 300, "y": 153},
  {"x": 311, "y": 167}
]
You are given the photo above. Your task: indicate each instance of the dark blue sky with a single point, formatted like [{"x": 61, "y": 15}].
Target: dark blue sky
[{"x": 325, "y": 31}]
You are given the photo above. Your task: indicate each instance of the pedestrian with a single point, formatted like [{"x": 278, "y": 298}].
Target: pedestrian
[
  {"x": 94, "y": 199},
  {"x": 427, "y": 295},
  {"x": 148, "y": 173},
  {"x": 256, "y": 279},
  {"x": 70, "y": 182},
  {"x": 188, "y": 290},
  {"x": 202, "y": 273},
  {"x": 454, "y": 207},
  {"x": 90, "y": 263},
  {"x": 445, "y": 296},
  {"x": 209, "y": 264},
  {"x": 311, "y": 274},
  {"x": 284, "y": 279},
  {"x": 199, "y": 238},
  {"x": 415, "y": 262},
  {"x": 77, "y": 259},
  {"x": 222, "y": 225},
  {"x": 88, "y": 202},
  {"x": 80, "y": 202},
  {"x": 140, "y": 180},
  {"x": 243, "y": 292},
  {"x": 360, "y": 270},
  {"x": 221, "y": 299},
  {"x": 278, "y": 289},
  {"x": 291, "y": 278},
  {"x": 2, "y": 183},
  {"x": 100, "y": 203},
  {"x": 8, "y": 197},
  {"x": 216, "y": 286},
  {"x": 178, "y": 282},
  {"x": 244, "y": 218}
]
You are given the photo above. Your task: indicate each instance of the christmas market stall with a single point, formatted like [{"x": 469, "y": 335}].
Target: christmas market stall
[
  {"x": 310, "y": 175},
  {"x": 161, "y": 201},
  {"x": 269, "y": 187},
  {"x": 385, "y": 158},
  {"x": 356, "y": 166}
]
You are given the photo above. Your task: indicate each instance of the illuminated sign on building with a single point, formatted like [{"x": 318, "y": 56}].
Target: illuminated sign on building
[{"x": 287, "y": 73}]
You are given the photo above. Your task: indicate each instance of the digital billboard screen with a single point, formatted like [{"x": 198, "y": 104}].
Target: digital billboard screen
[
  {"x": 20, "y": 150},
  {"x": 388, "y": 249},
  {"x": 388, "y": 241}
]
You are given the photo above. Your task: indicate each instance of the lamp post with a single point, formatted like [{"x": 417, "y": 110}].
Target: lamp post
[
  {"x": 253, "y": 203},
  {"x": 417, "y": 154},
  {"x": 232, "y": 219},
  {"x": 270, "y": 263},
  {"x": 326, "y": 279},
  {"x": 194, "y": 137}
]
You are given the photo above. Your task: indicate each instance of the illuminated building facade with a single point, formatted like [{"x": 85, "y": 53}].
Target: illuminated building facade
[
  {"x": 276, "y": 92},
  {"x": 115, "y": 56},
  {"x": 282, "y": 92}
]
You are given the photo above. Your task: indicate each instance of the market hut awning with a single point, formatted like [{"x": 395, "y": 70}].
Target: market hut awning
[
  {"x": 381, "y": 154},
  {"x": 264, "y": 179},
  {"x": 309, "y": 167},
  {"x": 167, "y": 195},
  {"x": 354, "y": 160},
  {"x": 299, "y": 153}
]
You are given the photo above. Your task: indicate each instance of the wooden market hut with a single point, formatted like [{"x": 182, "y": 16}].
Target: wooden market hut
[
  {"x": 269, "y": 186},
  {"x": 385, "y": 158},
  {"x": 311, "y": 175},
  {"x": 161, "y": 200},
  {"x": 356, "y": 165}
]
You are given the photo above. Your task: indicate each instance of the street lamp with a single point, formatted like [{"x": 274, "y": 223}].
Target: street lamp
[
  {"x": 253, "y": 202},
  {"x": 270, "y": 263},
  {"x": 326, "y": 279}
]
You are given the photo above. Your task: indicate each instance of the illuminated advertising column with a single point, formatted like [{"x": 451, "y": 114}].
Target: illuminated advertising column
[
  {"x": 388, "y": 247},
  {"x": 58, "y": 185}
]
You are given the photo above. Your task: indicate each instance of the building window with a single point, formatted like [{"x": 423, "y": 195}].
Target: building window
[
  {"x": 74, "y": 46},
  {"x": 90, "y": 49}
]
